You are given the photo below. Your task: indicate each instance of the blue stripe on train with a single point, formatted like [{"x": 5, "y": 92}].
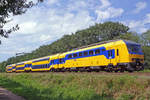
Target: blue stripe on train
[{"x": 56, "y": 61}]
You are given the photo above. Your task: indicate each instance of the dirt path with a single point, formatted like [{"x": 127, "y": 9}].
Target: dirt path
[{"x": 7, "y": 95}]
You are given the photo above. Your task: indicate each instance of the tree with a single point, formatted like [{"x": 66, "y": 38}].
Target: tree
[
  {"x": 111, "y": 30},
  {"x": 133, "y": 36},
  {"x": 146, "y": 47},
  {"x": 12, "y": 8},
  {"x": 146, "y": 38}
]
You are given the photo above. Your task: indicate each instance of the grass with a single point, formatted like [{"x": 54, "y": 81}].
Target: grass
[
  {"x": 76, "y": 86},
  {"x": 145, "y": 70}
]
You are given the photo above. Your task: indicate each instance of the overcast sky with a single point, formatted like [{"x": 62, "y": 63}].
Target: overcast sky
[{"x": 52, "y": 19}]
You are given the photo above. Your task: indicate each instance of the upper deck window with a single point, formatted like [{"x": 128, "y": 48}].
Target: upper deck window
[
  {"x": 91, "y": 52},
  {"x": 97, "y": 51},
  {"x": 75, "y": 55},
  {"x": 80, "y": 54},
  {"x": 85, "y": 53},
  {"x": 70, "y": 56}
]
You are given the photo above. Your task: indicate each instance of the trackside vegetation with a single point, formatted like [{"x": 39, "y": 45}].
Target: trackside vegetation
[{"x": 77, "y": 86}]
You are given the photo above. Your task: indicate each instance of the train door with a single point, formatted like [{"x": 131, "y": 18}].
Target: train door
[
  {"x": 111, "y": 56},
  {"x": 117, "y": 56}
]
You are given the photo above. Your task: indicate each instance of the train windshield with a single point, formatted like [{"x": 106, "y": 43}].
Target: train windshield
[{"x": 134, "y": 48}]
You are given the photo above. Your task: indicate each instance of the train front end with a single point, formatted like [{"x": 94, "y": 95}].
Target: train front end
[{"x": 136, "y": 56}]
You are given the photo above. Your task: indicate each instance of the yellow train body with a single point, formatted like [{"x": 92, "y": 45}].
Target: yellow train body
[{"x": 112, "y": 56}]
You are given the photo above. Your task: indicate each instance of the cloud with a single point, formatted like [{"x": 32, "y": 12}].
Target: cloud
[
  {"x": 106, "y": 11},
  {"x": 42, "y": 25},
  {"x": 105, "y": 3},
  {"x": 109, "y": 13},
  {"x": 77, "y": 5},
  {"x": 139, "y": 26},
  {"x": 140, "y": 6},
  {"x": 44, "y": 38},
  {"x": 50, "y": 2},
  {"x": 147, "y": 19},
  {"x": 27, "y": 28}
]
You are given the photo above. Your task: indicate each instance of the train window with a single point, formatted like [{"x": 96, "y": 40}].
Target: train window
[
  {"x": 97, "y": 51},
  {"x": 60, "y": 60},
  {"x": 109, "y": 53},
  {"x": 80, "y": 54},
  {"x": 70, "y": 56},
  {"x": 117, "y": 52},
  {"x": 85, "y": 53},
  {"x": 75, "y": 55},
  {"x": 103, "y": 50},
  {"x": 91, "y": 52},
  {"x": 52, "y": 61}
]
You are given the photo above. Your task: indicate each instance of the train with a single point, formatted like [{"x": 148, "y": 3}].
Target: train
[{"x": 111, "y": 56}]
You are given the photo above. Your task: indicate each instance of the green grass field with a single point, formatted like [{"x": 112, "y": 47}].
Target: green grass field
[{"x": 77, "y": 86}]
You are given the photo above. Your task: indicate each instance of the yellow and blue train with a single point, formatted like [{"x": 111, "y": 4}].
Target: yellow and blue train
[{"x": 114, "y": 55}]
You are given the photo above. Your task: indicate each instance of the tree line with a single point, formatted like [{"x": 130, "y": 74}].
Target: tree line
[{"x": 96, "y": 33}]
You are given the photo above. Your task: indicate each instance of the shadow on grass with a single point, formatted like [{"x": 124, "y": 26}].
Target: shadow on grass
[{"x": 30, "y": 93}]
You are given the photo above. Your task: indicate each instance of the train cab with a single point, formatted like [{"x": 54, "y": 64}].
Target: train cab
[{"x": 136, "y": 56}]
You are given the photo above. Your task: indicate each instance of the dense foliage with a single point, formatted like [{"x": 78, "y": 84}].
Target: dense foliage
[{"x": 93, "y": 34}]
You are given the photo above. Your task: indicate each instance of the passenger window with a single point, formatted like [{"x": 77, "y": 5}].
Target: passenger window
[
  {"x": 91, "y": 52},
  {"x": 70, "y": 56},
  {"x": 75, "y": 55},
  {"x": 80, "y": 54},
  {"x": 97, "y": 51},
  {"x": 103, "y": 50},
  {"x": 109, "y": 53},
  {"x": 60, "y": 60},
  {"x": 117, "y": 52},
  {"x": 52, "y": 61},
  {"x": 85, "y": 53}
]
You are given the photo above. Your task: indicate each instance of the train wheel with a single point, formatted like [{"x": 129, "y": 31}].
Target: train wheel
[
  {"x": 122, "y": 70},
  {"x": 116, "y": 71}
]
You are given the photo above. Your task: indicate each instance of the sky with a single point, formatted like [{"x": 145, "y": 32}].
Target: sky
[{"x": 50, "y": 20}]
